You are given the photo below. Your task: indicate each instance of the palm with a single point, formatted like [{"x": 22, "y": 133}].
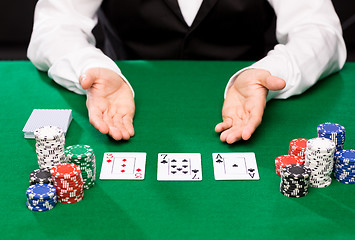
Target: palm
[
  {"x": 111, "y": 105},
  {"x": 244, "y": 106}
]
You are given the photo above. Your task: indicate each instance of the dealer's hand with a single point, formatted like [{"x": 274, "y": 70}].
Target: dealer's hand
[
  {"x": 244, "y": 104},
  {"x": 110, "y": 102}
]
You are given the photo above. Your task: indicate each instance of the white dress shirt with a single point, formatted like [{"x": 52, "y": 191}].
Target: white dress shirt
[{"x": 310, "y": 39}]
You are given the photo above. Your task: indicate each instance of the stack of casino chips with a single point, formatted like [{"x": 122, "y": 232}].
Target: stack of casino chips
[
  {"x": 284, "y": 160},
  {"x": 50, "y": 141},
  {"x": 40, "y": 176},
  {"x": 320, "y": 159},
  {"x": 298, "y": 147},
  {"x": 83, "y": 156},
  {"x": 68, "y": 182},
  {"x": 334, "y": 132},
  {"x": 344, "y": 170},
  {"x": 295, "y": 180},
  {"x": 41, "y": 197}
]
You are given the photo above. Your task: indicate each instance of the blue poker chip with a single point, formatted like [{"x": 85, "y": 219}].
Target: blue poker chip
[
  {"x": 37, "y": 208},
  {"x": 41, "y": 192},
  {"x": 329, "y": 128}
]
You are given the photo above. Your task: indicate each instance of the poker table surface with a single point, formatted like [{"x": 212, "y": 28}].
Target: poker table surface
[{"x": 178, "y": 104}]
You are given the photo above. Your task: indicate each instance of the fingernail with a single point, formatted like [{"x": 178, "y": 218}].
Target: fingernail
[{"x": 83, "y": 77}]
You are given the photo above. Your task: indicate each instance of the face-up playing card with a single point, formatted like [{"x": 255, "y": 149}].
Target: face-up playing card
[
  {"x": 235, "y": 166},
  {"x": 179, "y": 167},
  {"x": 120, "y": 165}
]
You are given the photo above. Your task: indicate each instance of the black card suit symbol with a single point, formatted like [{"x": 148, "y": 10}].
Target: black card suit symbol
[
  {"x": 164, "y": 161},
  {"x": 235, "y": 165},
  {"x": 173, "y": 160},
  {"x": 185, "y": 166},
  {"x": 219, "y": 161},
  {"x": 185, "y": 160},
  {"x": 173, "y": 172},
  {"x": 251, "y": 169},
  {"x": 173, "y": 166},
  {"x": 184, "y": 172},
  {"x": 195, "y": 171},
  {"x": 179, "y": 169}
]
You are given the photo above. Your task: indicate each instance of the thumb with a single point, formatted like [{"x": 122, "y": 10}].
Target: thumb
[
  {"x": 86, "y": 80},
  {"x": 274, "y": 83}
]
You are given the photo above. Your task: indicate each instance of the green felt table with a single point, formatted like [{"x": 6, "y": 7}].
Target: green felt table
[{"x": 178, "y": 104}]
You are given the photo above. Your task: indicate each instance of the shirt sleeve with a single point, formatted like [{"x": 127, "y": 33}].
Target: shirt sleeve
[
  {"x": 62, "y": 42},
  {"x": 310, "y": 46}
]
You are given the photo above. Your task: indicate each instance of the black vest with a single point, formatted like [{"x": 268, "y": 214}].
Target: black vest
[{"x": 155, "y": 29}]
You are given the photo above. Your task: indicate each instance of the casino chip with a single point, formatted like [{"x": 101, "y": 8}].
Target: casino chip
[
  {"x": 344, "y": 168},
  {"x": 40, "y": 176},
  {"x": 298, "y": 147},
  {"x": 295, "y": 180},
  {"x": 83, "y": 156},
  {"x": 68, "y": 182},
  {"x": 284, "y": 160},
  {"x": 41, "y": 197},
  {"x": 334, "y": 132},
  {"x": 319, "y": 157},
  {"x": 50, "y": 141}
]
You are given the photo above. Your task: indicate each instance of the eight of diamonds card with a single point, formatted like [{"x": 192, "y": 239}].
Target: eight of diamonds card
[
  {"x": 235, "y": 166},
  {"x": 179, "y": 167},
  {"x": 120, "y": 165}
]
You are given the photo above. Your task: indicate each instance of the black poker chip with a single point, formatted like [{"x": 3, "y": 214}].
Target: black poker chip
[
  {"x": 295, "y": 180},
  {"x": 40, "y": 176}
]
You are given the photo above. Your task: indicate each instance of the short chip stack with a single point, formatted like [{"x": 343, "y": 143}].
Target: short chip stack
[
  {"x": 84, "y": 157},
  {"x": 344, "y": 170},
  {"x": 295, "y": 180},
  {"x": 68, "y": 182},
  {"x": 298, "y": 147},
  {"x": 284, "y": 160},
  {"x": 50, "y": 141},
  {"x": 41, "y": 197},
  {"x": 320, "y": 159},
  {"x": 334, "y": 132},
  {"x": 40, "y": 176}
]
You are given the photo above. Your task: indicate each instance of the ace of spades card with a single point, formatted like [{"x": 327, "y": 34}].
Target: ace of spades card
[
  {"x": 179, "y": 167},
  {"x": 235, "y": 166}
]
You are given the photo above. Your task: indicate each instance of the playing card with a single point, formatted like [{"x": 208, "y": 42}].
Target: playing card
[
  {"x": 47, "y": 117},
  {"x": 179, "y": 167},
  {"x": 235, "y": 166},
  {"x": 121, "y": 165}
]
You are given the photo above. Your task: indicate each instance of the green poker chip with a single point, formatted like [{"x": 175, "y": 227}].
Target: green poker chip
[
  {"x": 79, "y": 151},
  {"x": 83, "y": 156}
]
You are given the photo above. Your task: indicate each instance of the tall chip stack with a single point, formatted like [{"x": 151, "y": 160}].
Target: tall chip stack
[
  {"x": 320, "y": 159},
  {"x": 334, "y": 132},
  {"x": 68, "y": 182},
  {"x": 50, "y": 141},
  {"x": 84, "y": 157}
]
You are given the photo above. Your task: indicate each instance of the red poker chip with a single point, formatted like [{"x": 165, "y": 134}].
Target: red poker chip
[
  {"x": 71, "y": 199},
  {"x": 70, "y": 192},
  {"x": 65, "y": 170},
  {"x": 298, "y": 147},
  {"x": 284, "y": 160}
]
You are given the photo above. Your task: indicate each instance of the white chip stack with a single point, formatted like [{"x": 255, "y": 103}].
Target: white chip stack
[
  {"x": 319, "y": 157},
  {"x": 50, "y": 141}
]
